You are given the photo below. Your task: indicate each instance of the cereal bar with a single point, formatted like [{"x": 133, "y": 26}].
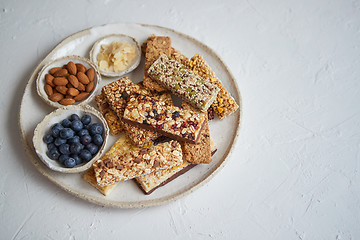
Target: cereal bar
[
  {"x": 149, "y": 183},
  {"x": 169, "y": 120},
  {"x": 224, "y": 103},
  {"x": 117, "y": 93},
  {"x": 126, "y": 161},
  {"x": 200, "y": 152},
  {"x": 183, "y": 82},
  {"x": 116, "y": 126},
  {"x": 155, "y": 46},
  {"x": 89, "y": 176}
]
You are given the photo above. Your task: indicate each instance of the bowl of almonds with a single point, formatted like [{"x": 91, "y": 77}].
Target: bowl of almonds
[{"x": 70, "y": 80}]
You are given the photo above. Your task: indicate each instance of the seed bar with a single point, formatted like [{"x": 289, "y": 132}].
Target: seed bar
[
  {"x": 183, "y": 82},
  {"x": 126, "y": 161},
  {"x": 169, "y": 120},
  {"x": 224, "y": 103}
]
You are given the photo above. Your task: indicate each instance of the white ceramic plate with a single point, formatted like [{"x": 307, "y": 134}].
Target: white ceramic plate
[
  {"x": 127, "y": 194},
  {"x": 40, "y": 81},
  {"x": 108, "y": 40},
  {"x": 57, "y": 116}
]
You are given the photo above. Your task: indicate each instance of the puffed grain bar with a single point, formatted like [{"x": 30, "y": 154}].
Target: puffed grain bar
[
  {"x": 126, "y": 161},
  {"x": 155, "y": 47},
  {"x": 183, "y": 82},
  {"x": 224, "y": 103},
  {"x": 200, "y": 152},
  {"x": 169, "y": 120},
  {"x": 149, "y": 183}
]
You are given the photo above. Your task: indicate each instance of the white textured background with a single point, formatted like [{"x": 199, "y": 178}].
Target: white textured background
[{"x": 295, "y": 171}]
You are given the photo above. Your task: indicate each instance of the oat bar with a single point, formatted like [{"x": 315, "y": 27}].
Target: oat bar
[
  {"x": 126, "y": 161},
  {"x": 183, "y": 82},
  {"x": 200, "y": 152},
  {"x": 224, "y": 103},
  {"x": 117, "y": 93},
  {"x": 116, "y": 126},
  {"x": 155, "y": 47},
  {"x": 89, "y": 176},
  {"x": 169, "y": 120},
  {"x": 151, "y": 182}
]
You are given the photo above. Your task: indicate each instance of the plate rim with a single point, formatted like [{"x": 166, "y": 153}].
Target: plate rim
[{"x": 120, "y": 204}]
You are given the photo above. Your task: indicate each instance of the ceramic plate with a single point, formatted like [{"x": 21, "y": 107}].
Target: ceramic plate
[{"x": 127, "y": 194}]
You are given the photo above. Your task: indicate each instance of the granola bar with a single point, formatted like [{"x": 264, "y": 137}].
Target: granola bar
[
  {"x": 126, "y": 161},
  {"x": 89, "y": 176},
  {"x": 224, "y": 103},
  {"x": 155, "y": 46},
  {"x": 151, "y": 182},
  {"x": 201, "y": 152},
  {"x": 117, "y": 93},
  {"x": 183, "y": 82},
  {"x": 116, "y": 126},
  {"x": 169, "y": 120}
]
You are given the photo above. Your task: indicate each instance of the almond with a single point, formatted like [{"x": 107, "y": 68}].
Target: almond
[
  {"x": 56, "y": 97},
  {"x": 90, "y": 73},
  {"x": 81, "y": 96},
  {"x": 81, "y": 87},
  {"x": 60, "y": 81},
  {"x": 71, "y": 67},
  {"x": 73, "y": 92},
  {"x": 89, "y": 87},
  {"x": 61, "y": 89},
  {"x": 49, "y": 90},
  {"x": 53, "y": 70},
  {"x": 67, "y": 101},
  {"x": 73, "y": 80},
  {"x": 49, "y": 79},
  {"x": 82, "y": 78},
  {"x": 61, "y": 73},
  {"x": 80, "y": 67}
]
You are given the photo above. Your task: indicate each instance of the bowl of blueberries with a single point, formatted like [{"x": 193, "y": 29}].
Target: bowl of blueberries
[{"x": 71, "y": 138}]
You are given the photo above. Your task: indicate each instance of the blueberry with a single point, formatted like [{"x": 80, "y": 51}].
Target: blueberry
[
  {"x": 58, "y": 141},
  {"x": 55, "y": 130},
  {"x": 77, "y": 125},
  {"x": 75, "y": 148},
  {"x": 75, "y": 139},
  {"x": 78, "y": 159},
  {"x": 85, "y": 155},
  {"x": 51, "y": 145},
  {"x": 66, "y": 123},
  {"x": 85, "y": 139},
  {"x": 70, "y": 163},
  {"x": 96, "y": 128},
  {"x": 48, "y": 138},
  {"x": 93, "y": 149},
  {"x": 64, "y": 148},
  {"x": 67, "y": 133},
  {"x": 74, "y": 117},
  {"x": 83, "y": 132},
  {"x": 63, "y": 157},
  {"x": 86, "y": 119},
  {"x": 98, "y": 140},
  {"x": 53, "y": 154}
]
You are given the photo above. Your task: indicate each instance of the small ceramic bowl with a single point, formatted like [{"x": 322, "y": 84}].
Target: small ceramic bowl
[
  {"x": 44, "y": 128},
  {"x": 60, "y": 62},
  {"x": 108, "y": 40}
]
